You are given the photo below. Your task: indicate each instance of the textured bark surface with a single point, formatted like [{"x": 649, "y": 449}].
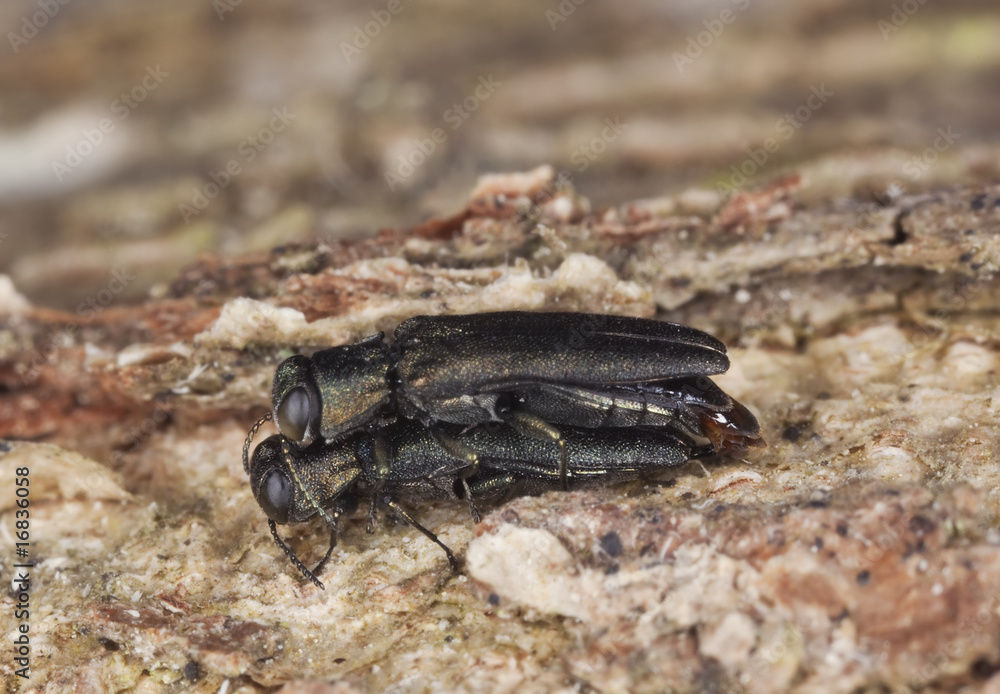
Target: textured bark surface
[
  {"x": 858, "y": 549},
  {"x": 850, "y": 265}
]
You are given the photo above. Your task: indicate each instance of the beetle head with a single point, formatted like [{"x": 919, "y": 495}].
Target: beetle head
[
  {"x": 296, "y": 400},
  {"x": 293, "y": 484},
  {"x": 334, "y": 392}
]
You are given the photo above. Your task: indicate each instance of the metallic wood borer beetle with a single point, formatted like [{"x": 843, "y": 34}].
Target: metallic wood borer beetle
[
  {"x": 536, "y": 372},
  {"x": 404, "y": 459}
]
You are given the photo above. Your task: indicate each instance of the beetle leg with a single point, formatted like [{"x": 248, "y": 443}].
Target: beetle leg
[
  {"x": 535, "y": 427},
  {"x": 492, "y": 485},
  {"x": 459, "y": 450},
  {"x": 383, "y": 458},
  {"x": 370, "y": 526},
  {"x": 472, "y": 504},
  {"x": 703, "y": 451},
  {"x": 295, "y": 560},
  {"x": 410, "y": 520}
]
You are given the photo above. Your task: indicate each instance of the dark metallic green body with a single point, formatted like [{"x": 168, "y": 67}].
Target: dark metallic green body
[
  {"x": 453, "y": 368},
  {"x": 406, "y": 460},
  {"x": 476, "y": 405},
  {"x": 526, "y": 369}
]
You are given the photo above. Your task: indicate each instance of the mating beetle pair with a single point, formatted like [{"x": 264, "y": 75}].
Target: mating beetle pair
[{"x": 565, "y": 397}]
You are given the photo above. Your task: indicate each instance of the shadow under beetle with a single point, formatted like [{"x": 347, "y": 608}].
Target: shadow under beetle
[
  {"x": 536, "y": 372},
  {"x": 404, "y": 459}
]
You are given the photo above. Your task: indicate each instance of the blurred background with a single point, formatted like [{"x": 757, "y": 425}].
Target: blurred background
[{"x": 134, "y": 136}]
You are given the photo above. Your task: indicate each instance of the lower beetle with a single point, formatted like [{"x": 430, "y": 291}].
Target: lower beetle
[
  {"x": 536, "y": 372},
  {"x": 405, "y": 459}
]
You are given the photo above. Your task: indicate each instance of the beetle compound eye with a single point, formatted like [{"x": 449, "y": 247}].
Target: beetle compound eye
[
  {"x": 293, "y": 414},
  {"x": 276, "y": 496}
]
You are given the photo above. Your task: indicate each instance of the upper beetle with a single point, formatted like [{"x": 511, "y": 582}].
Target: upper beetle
[{"x": 530, "y": 370}]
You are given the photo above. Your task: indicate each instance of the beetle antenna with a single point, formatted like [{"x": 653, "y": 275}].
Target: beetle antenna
[
  {"x": 294, "y": 559},
  {"x": 331, "y": 521},
  {"x": 311, "y": 575},
  {"x": 249, "y": 440}
]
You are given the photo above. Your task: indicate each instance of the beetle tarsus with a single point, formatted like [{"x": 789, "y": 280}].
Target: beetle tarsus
[
  {"x": 370, "y": 525},
  {"x": 472, "y": 504},
  {"x": 411, "y": 521},
  {"x": 706, "y": 451}
]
